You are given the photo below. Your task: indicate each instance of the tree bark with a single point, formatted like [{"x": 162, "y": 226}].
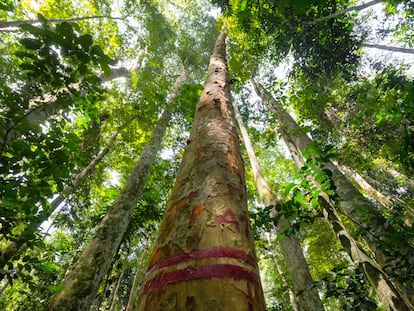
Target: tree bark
[
  {"x": 388, "y": 48},
  {"x": 139, "y": 276},
  {"x": 307, "y": 296},
  {"x": 370, "y": 191},
  {"x": 204, "y": 257},
  {"x": 82, "y": 282},
  {"x": 408, "y": 182},
  {"x": 116, "y": 291},
  {"x": 380, "y": 282},
  {"x": 283, "y": 278},
  {"x": 15, "y": 247},
  {"x": 389, "y": 255},
  {"x": 43, "y": 107},
  {"x": 347, "y": 10}
]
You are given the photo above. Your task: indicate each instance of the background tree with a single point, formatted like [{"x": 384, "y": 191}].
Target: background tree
[{"x": 78, "y": 75}]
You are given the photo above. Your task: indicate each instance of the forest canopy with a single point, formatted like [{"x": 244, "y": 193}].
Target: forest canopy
[{"x": 151, "y": 151}]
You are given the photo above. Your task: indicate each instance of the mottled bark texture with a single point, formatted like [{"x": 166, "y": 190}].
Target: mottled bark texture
[
  {"x": 82, "y": 282},
  {"x": 15, "y": 247},
  {"x": 390, "y": 256},
  {"x": 307, "y": 297},
  {"x": 204, "y": 258}
]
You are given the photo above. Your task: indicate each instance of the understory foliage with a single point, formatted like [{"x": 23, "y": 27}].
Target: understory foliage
[{"x": 88, "y": 80}]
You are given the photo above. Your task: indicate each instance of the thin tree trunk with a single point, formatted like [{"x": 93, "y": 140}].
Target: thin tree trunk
[
  {"x": 347, "y": 10},
  {"x": 139, "y": 276},
  {"x": 379, "y": 281},
  {"x": 116, "y": 291},
  {"x": 388, "y": 48},
  {"x": 82, "y": 282},
  {"x": 281, "y": 273},
  {"x": 101, "y": 295},
  {"x": 409, "y": 183},
  {"x": 306, "y": 295},
  {"x": 357, "y": 208},
  {"x": 383, "y": 198},
  {"x": 19, "y": 243},
  {"x": 43, "y": 107},
  {"x": 204, "y": 258},
  {"x": 370, "y": 191},
  {"x": 8, "y": 24}
]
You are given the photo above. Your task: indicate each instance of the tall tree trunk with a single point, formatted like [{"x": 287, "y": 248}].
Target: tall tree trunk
[
  {"x": 204, "y": 258},
  {"x": 306, "y": 295},
  {"x": 389, "y": 254},
  {"x": 82, "y": 282},
  {"x": 347, "y": 10},
  {"x": 380, "y": 195},
  {"x": 379, "y": 281},
  {"x": 398, "y": 177},
  {"x": 282, "y": 275},
  {"x": 19, "y": 243},
  {"x": 370, "y": 191},
  {"x": 139, "y": 276}
]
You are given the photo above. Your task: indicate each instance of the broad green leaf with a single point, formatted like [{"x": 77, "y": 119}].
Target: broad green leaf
[
  {"x": 31, "y": 44},
  {"x": 85, "y": 41}
]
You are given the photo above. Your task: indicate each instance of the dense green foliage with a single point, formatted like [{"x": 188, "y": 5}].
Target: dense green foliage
[{"x": 75, "y": 73}]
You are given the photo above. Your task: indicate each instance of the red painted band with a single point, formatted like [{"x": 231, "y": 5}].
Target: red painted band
[
  {"x": 200, "y": 272},
  {"x": 198, "y": 254}
]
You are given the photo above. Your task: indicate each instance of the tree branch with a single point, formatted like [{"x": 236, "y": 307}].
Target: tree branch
[
  {"x": 347, "y": 10},
  {"x": 13, "y": 24},
  {"x": 388, "y": 48}
]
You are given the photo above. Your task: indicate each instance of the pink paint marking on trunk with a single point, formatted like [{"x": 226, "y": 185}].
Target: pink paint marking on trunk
[
  {"x": 214, "y": 252},
  {"x": 229, "y": 218},
  {"x": 201, "y": 272}
]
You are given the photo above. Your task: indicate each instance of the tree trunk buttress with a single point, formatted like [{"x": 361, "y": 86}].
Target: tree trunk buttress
[
  {"x": 357, "y": 208},
  {"x": 82, "y": 282},
  {"x": 307, "y": 297},
  {"x": 204, "y": 258}
]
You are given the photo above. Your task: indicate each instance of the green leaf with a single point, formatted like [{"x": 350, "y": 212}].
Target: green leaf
[
  {"x": 279, "y": 236},
  {"x": 32, "y": 29},
  {"x": 85, "y": 41},
  {"x": 105, "y": 68},
  {"x": 7, "y": 5},
  {"x": 289, "y": 187},
  {"x": 31, "y": 44},
  {"x": 83, "y": 57},
  {"x": 312, "y": 150},
  {"x": 42, "y": 19},
  {"x": 24, "y": 54},
  {"x": 65, "y": 30},
  {"x": 55, "y": 288},
  {"x": 314, "y": 203}
]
